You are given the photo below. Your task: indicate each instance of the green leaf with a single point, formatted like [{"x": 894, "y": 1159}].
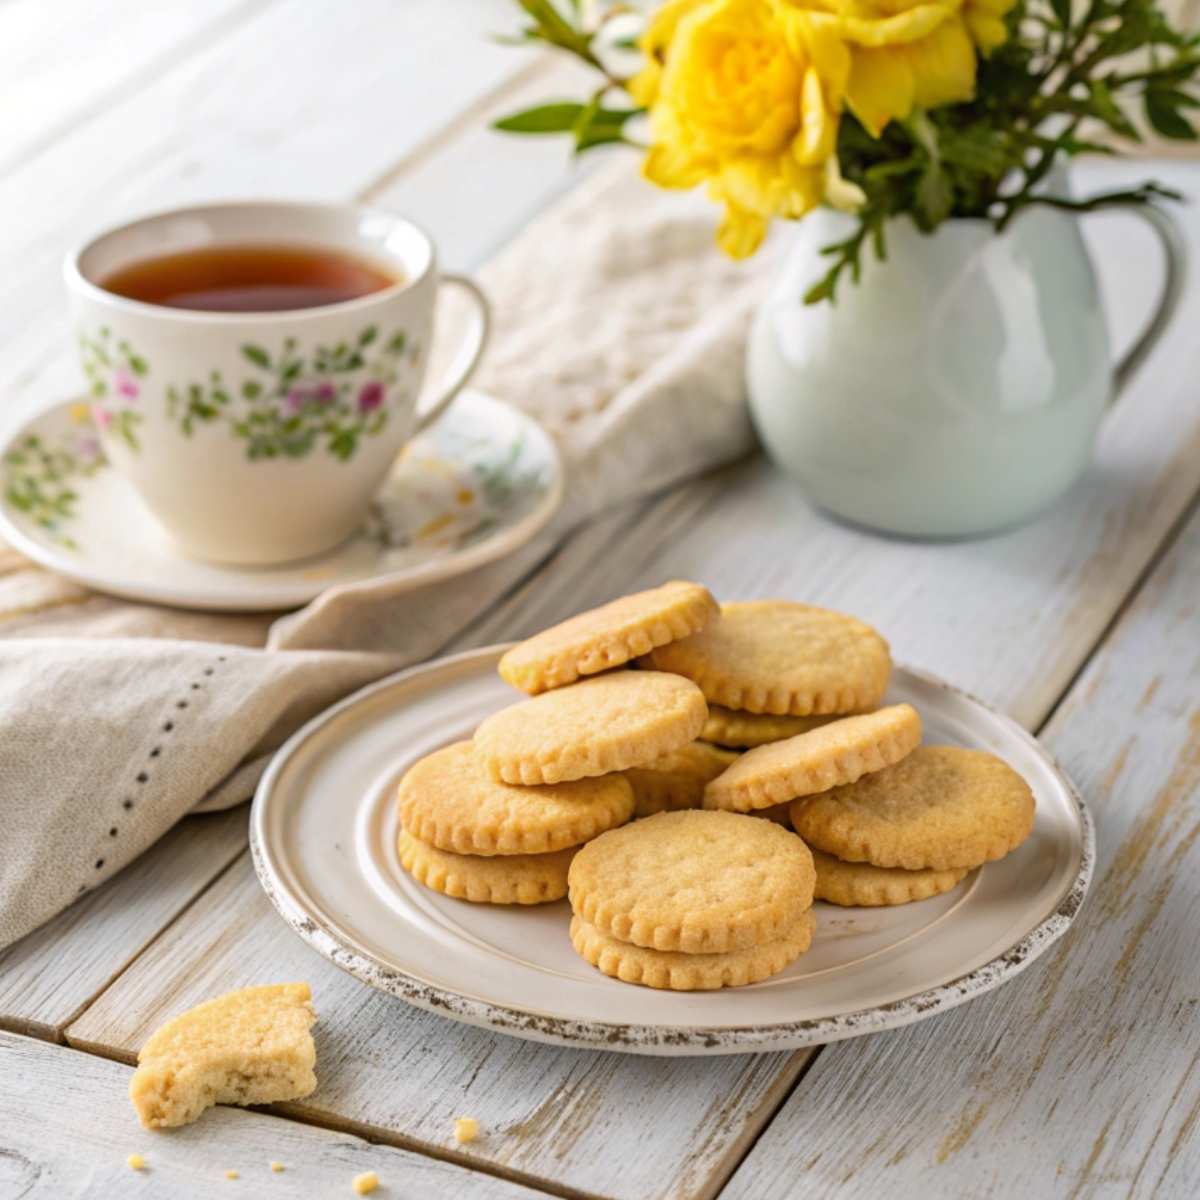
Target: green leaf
[
  {"x": 138, "y": 365},
  {"x": 257, "y": 355},
  {"x": 545, "y": 118},
  {"x": 368, "y": 335},
  {"x": 251, "y": 389},
  {"x": 1062, "y": 10},
  {"x": 396, "y": 345},
  {"x": 1162, "y": 111}
]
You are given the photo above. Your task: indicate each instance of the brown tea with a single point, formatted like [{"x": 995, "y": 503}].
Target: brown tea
[{"x": 250, "y": 278}]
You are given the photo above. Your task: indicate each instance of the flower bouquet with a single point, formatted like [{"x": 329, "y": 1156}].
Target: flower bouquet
[{"x": 926, "y": 109}]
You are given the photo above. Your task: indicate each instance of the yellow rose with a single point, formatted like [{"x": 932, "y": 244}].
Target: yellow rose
[
  {"x": 907, "y": 54},
  {"x": 744, "y": 95}
]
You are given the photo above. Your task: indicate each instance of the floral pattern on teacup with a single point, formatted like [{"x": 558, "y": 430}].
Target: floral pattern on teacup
[
  {"x": 40, "y": 479},
  {"x": 115, "y": 374},
  {"x": 451, "y": 488},
  {"x": 289, "y": 403}
]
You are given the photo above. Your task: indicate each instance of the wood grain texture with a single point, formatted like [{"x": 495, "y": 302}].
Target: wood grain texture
[
  {"x": 1081, "y": 1078},
  {"x": 579, "y": 1120},
  {"x": 62, "y": 63},
  {"x": 52, "y": 1098},
  {"x": 1013, "y": 618},
  {"x": 50, "y": 975}
]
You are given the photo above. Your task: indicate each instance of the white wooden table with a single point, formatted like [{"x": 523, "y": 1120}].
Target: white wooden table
[{"x": 1082, "y": 1078}]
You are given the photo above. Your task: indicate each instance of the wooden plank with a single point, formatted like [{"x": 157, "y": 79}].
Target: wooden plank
[
  {"x": 396, "y": 1074},
  {"x": 62, "y": 63},
  {"x": 1011, "y": 617},
  {"x": 442, "y": 187},
  {"x": 265, "y": 110},
  {"x": 52, "y": 1097},
  {"x": 1082, "y": 1077},
  {"x": 50, "y": 975}
]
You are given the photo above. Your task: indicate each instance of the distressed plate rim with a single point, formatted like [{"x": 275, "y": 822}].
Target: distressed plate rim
[{"x": 656, "y": 1039}]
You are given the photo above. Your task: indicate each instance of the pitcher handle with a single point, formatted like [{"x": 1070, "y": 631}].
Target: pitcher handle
[
  {"x": 468, "y": 356},
  {"x": 1175, "y": 258}
]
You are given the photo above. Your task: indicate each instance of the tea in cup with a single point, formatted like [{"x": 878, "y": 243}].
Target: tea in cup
[{"x": 254, "y": 368}]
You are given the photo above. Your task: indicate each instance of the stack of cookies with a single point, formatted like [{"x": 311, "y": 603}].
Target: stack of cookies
[
  {"x": 889, "y": 821},
  {"x": 766, "y": 708},
  {"x": 693, "y": 900},
  {"x": 497, "y": 819}
]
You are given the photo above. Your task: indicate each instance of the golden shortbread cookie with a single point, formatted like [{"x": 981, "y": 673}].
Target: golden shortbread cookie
[
  {"x": 695, "y": 881},
  {"x": 862, "y": 885},
  {"x": 608, "y": 636},
  {"x": 605, "y": 724},
  {"x": 691, "y": 972},
  {"x": 837, "y": 753},
  {"x": 247, "y": 1047},
  {"x": 676, "y": 780},
  {"x": 450, "y": 801},
  {"x": 942, "y": 808},
  {"x": 745, "y": 730},
  {"x": 494, "y": 879},
  {"x": 777, "y": 656}
]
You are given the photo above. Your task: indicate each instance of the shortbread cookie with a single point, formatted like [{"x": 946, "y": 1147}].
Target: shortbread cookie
[
  {"x": 247, "y": 1047},
  {"x": 448, "y": 800},
  {"x": 690, "y": 972},
  {"x": 745, "y": 730},
  {"x": 862, "y": 885},
  {"x": 942, "y": 808},
  {"x": 776, "y": 656},
  {"x": 837, "y": 753},
  {"x": 677, "y": 779},
  {"x": 607, "y": 637},
  {"x": 609, "y": 723},
  {"x": 498, "y": 879},
  {"x": 699, "y": 882}
]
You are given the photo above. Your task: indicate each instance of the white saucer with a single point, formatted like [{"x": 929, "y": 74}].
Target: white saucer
[
  {"x": 323, "y": 834},
  {"x": 478, "y": 484}
]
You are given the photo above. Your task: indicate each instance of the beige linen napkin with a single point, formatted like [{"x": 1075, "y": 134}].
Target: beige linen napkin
[{"x": 618, "y": 326}]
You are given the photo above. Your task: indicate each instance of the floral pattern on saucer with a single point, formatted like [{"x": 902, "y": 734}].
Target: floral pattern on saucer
[{"x": 481, "y": 481}]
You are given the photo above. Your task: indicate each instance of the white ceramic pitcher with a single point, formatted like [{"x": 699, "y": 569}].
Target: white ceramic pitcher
[{"x": 958, "y": 388}]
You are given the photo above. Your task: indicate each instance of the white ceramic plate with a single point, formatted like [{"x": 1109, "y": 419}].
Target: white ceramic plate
[
  {"x": 323, "y": 831},
  {"x": 479, "y": 483}
]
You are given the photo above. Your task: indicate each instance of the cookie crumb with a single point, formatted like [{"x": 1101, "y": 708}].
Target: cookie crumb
[
  {"x": 136, "y": 1162},
  {"x": 466, "y": 1129},
  {"x": 365, "y": 1183},
  {"x": 231, "y": 1174},
  {"x": 277, "y": 1167}
]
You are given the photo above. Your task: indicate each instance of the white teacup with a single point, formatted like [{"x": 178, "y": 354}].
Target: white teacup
[{"x": 261, "y": 437}]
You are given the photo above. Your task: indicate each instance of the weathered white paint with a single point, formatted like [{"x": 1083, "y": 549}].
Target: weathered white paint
[
  {"x": 1082, "y": 1079},
  {"x": 67, "y": 1128},
  {"x": 1012, "y": 618},
  {"x": 50, "y": 975},
  {"x": 397, "y": 1073}
]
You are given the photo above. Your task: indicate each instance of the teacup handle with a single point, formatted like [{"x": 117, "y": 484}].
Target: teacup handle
[
  {"x": 468, "y": 356},
  {"x": 1176, "y": 259}
]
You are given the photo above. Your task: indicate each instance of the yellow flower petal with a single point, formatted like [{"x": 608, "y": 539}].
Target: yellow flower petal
[
  {"x": 943, "y": 66},
  {"x": 881, "y": 87},
  {"x": 840, "y": 193},
  {"x": 988, "y": 31},
  {"x": 899, "y": 29},
  {"x": 740, "y": 233},
  {"x": 668, "y": 167},
  {"x": 817, "y": 139}
]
